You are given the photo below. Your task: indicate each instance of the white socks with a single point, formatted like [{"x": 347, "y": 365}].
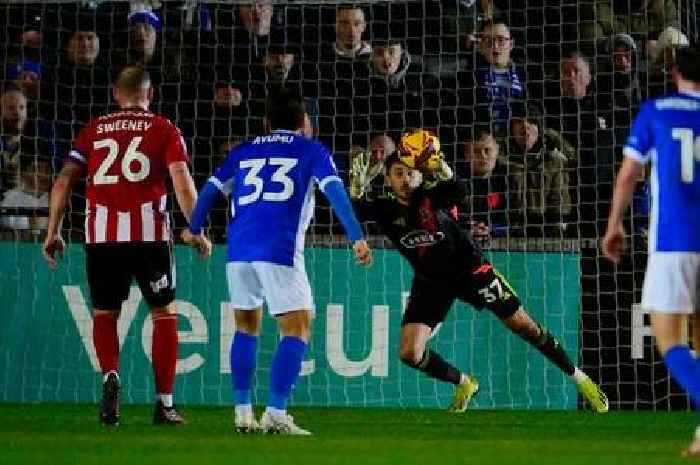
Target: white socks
[
  {"x": 579, "y": 376},
  {"x": 104, "y": 378},
  {"x": 275, "y": 412},
  {"x": 166, "y": 399},
  {"x": 244, "y": 410}
]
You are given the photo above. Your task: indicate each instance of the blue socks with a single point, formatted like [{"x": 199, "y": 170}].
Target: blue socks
[
  {"x": 285, "y": 370},
  {"x": 243, "y": 348},
  {"x": 685, "y": 369},
  {"x": 286, "y": 367}
]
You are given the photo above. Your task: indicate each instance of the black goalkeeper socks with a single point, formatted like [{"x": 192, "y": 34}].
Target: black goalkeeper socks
[
  {"x": 551, "y": 349},
  {"x": 433, "y": 365}
]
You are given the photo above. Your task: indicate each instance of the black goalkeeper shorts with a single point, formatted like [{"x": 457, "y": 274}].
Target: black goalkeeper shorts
[
  {"x": 484, "y": 287},
  {"x": 112, "y": 267}
]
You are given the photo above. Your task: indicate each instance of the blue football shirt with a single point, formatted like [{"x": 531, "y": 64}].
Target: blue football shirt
[
  {"x": 667, "y": 133},
  {"x": 271, "y": 182}
]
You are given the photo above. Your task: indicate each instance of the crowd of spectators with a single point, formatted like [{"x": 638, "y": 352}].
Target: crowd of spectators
[{"x": 532, "y": 105}]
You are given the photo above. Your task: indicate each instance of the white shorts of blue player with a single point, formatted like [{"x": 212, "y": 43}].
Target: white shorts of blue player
[
  {"x": 672, "y": 283},
  {"x": 284, "y": 288}
]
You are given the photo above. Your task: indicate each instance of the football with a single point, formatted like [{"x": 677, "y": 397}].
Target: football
[{"x": 420, "y": 149}]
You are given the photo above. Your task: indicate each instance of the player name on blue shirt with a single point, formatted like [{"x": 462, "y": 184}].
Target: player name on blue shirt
[
  {"x": 271, "y": 183},
  {"x": 667, "y": 133}
]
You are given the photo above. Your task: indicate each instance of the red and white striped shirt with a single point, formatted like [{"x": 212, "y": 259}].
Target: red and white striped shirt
[{"x": 127, "y": 154}]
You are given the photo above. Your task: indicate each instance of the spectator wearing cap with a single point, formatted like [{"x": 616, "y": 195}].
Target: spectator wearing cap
[
  {"x": 621, "y": 85},
  {"x": 32, "y": 34},
  {"x": 538, "y": 165},
  {"x": 626, "y": 89},
  {"x": 489, "y": 82},
  {"x": 279, "y": 66},
  {"x": 82, "y": 78},
  {"x": 144, "y": 27},
  {"x": 173, "y": 74},
  {"x": 22, "y": 34},
  {"x": 27, "y": 74},
  {"x": 278, "y": 63}
]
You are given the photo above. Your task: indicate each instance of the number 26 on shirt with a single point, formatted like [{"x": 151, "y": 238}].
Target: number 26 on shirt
[
  {"x": 132, "y": 154},
  {"x": 269, "y": 193}
]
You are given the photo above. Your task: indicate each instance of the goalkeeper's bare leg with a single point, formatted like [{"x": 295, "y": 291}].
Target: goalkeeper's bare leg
[
  {"x": 415, "y": 353},
  {"x": 522, "y": 324}
]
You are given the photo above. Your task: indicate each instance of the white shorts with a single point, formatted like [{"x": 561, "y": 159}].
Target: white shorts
[
  {"x": 672, "y": 283},
  {"x": 284, "y": 288}
]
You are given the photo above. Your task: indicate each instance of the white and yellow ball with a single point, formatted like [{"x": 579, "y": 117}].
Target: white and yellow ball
[{"x": 420, "y": 149}]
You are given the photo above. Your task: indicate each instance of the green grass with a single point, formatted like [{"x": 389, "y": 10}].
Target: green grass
[{"x": 51, "y": 434}]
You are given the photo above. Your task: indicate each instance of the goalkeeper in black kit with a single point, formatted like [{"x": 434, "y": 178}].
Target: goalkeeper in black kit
[{"x": 420, "y": 216}]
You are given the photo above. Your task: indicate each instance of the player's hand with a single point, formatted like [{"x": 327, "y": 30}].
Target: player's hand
[
  {"x": 198, "y": 242},
  {"x": 614, "y": 242},
  {"x": 358, "y": 173},
  {"x": 203, "y": 247},
  {"x": 363, "y": 254},
  {"x": 53, "y": 244}
]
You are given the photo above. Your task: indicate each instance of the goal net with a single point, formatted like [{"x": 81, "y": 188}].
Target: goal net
[{"x": 532, "y": 102}]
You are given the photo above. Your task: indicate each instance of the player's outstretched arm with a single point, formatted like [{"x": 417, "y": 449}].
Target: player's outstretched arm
[
  {"x": 340, "y": 202},
  {"x": 60, "y": 193},
  {"x": 186, "y": 195},
  {"x": 194, "y": 235},
  {"x": 614, "y": 240}
]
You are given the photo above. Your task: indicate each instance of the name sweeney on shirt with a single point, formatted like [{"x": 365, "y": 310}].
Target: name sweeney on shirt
[{"x": 124, "y": 125}]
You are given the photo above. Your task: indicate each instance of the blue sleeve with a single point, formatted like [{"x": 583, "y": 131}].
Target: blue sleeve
[
  {"x": 226, "y": 172},
  {"x": 335, "y": 192},
  {"x": 207, "y": 198},
  {"x": 640, "y": 141}
]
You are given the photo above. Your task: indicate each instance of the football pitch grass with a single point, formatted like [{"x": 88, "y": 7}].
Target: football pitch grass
[{"x": 69, "y": 434}]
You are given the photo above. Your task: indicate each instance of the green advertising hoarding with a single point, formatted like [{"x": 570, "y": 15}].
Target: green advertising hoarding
[{"x": 46, "y": 351}]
